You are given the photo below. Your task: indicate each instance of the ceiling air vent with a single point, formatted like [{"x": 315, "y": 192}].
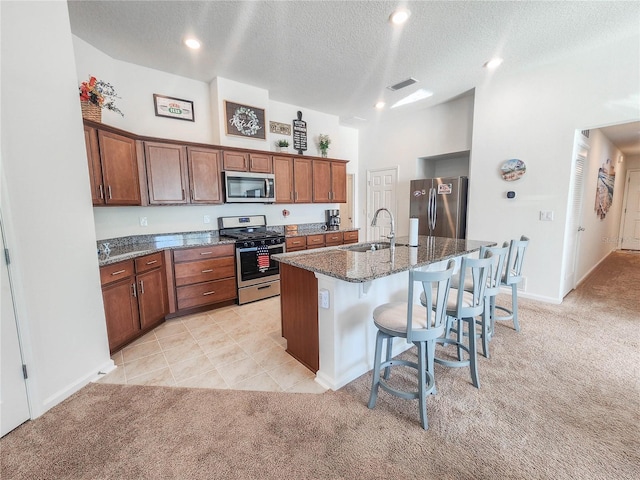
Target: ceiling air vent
[
  {"x": 585, "y": 133},
  {"x": 402, "y": 84}
]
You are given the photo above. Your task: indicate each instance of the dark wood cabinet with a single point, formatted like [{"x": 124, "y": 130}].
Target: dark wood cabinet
[
  {"x": 204, "y": 175},
  {"x": 167, "y": 176},
  {"x": 135, "y": 298},
  {"x": 294, "y": 180},
  {"x": 315, "y": 241},
  {"x": 333, "y": 238},
  {"x": 120, "y": 169},
  {"x": 329, "y": 181},
  {"x": 293, "y": 244},
  {"x": 350, "y": 236},
  {"x": 95, "y": 168},
  {"x": 247, "y": 162},
  {"x": 204, "y": 276}
]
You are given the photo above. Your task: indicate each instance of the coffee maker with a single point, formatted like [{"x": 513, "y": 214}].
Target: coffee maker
[{"x": 333, "y": 219}]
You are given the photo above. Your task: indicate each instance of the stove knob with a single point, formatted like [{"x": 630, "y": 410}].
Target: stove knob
[
  {"x": 253, "y": 244},
  {"x": 274, "y": 241},
  {"x": 245, "y": 244}
]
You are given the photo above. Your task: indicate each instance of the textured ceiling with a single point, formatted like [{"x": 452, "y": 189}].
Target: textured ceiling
[{"x": 338, "y": 56}]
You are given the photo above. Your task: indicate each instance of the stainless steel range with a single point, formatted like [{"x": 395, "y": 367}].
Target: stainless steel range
[{"x": 258, "y": 275}]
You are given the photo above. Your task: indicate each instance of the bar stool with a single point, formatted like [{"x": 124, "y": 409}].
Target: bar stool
[
  {"x": 420, "y": 325},
  {"x": 494, "y": 281},
  {"x": 512, "y": 277},
  {"x": 462, "y": 308}
]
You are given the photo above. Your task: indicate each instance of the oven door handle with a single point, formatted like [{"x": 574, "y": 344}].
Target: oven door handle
[{"x": 253, "y": 249}]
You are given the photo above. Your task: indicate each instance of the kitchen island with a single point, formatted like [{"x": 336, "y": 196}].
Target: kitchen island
[{"x": 328, "y": 297}]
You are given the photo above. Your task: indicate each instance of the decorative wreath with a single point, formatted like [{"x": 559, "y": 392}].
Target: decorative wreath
[{"x": 245, "y": 121}]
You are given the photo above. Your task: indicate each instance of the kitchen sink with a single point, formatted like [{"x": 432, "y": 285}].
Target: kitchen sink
[{"x": 367, "y": 247}]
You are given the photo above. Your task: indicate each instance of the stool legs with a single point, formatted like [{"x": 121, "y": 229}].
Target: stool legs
[{"x": 514, "y": 306}]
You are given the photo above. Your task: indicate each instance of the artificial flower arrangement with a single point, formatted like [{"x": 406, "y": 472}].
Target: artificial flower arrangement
[
  {"x": 324, "y": 142},
  {"x": 99, "y": 93}
]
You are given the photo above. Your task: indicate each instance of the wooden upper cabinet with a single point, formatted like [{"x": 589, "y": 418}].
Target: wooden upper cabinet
[
  {"x": 338, "y": 182},
  {"x": 321, "y": 181},
  {"x": 204, "y": 175},
  {"x": 260, "y": 163},
  {"x": 237, "y": 161},
  {"x": 95, "y": 169},
  {"x": 302, "y": 180},
  {"x": 247, "y": 162},
  {"x": 120, "y": 173},
  {"x": 166, "y": 173},
  {"x": 283, "y": 170},
  {"x": 329, "y": 181}
]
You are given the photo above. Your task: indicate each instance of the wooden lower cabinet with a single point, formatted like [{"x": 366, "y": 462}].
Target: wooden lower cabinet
[
  {"x": 351, "y": 236},
  {"x": 299, "y": 315},
  {"x": 204, "y": 276},
  {"x": 135, "y": 298},
  {"x": 293, "y": 244},
  {"x": 315, "y": 241}
]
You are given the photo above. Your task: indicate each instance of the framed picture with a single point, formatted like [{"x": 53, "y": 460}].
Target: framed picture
[
  {"x": 244, "y": 120},
  {"x": 173, "y": 108}
]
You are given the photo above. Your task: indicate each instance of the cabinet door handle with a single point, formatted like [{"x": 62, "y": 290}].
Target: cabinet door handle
[
  {"x": 133, "y": 290},
  {"x": 101, "y": 192},
  {"x": 209, "y": 270},
  {"x": 290, "y": 195},
  {"x": 152, "y": 262},
  {"x": 208, "y": 293},
  {"x": 109, "y": 188},
  {"x": 206, "y": 253},
  {"x": 192, "y": 193},
  {"x": 182, "y": 198},
  {"x": 296, "y": 197},
  {"x": 141, "y": 287},
  {"x": 118, "y": 272}
]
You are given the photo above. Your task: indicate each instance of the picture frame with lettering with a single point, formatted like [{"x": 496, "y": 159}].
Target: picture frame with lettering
[
  {"x": 171, "y": 107},
  {"x": 244, "y": 120}
]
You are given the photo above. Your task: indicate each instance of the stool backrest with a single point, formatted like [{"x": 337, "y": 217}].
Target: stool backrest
[
  {"x": 436, "y": 285},
  {"x": 513, "y": 269},
  {"x": 496, "y": 269},
  {"x": 477, "y": 269}
]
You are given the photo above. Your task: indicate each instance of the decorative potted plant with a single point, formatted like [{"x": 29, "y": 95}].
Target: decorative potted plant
[
  {"x": 96, "y": 95},
  {"x": 283, "y": 146},
  {"x": 323, "y": 144}
]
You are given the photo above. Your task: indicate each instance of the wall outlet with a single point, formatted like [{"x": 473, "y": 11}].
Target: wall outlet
[
  {"x": 206, "y": 219},
  {"x": 323, "y": 298},
  {"x": 143, "y": 221}
]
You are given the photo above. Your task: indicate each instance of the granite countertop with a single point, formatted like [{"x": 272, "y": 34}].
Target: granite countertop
[
  {"x": 357, "y": 267},
  {"x": 131, "y": 247}
]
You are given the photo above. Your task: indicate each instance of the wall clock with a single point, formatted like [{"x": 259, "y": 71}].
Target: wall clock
[{"x": 513, "y": 169}]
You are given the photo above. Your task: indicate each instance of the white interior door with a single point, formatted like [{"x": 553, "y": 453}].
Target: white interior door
[
  {"x": 14, "y": 405},
  {"x": 631, "y": 214},
  {"x": 574, "y": 215},
  {"x": 381, "y": 192}
]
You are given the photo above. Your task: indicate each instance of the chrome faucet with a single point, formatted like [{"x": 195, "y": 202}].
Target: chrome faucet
[{"x": 392, "y": 233}]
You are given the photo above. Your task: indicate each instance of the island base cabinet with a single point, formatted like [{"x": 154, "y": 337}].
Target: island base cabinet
[{"x": 299, "y": 314}]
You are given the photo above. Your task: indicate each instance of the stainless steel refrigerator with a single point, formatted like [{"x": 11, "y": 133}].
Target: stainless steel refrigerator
[{"x": 440, "y": 205}]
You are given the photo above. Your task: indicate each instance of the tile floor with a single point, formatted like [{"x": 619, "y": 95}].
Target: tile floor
[{"x": 236, "y": 347}]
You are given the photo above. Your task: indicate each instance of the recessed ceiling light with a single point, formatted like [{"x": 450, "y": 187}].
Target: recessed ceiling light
[
  {"x": 399, "y": 16},
  {"x": 414, "y": 97},
  {"x": 493, "y": 63},
  {"x": 380, "y": 105},
  {"x": 192, "y": 43}
]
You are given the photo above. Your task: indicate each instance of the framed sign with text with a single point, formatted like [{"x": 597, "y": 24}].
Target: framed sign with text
[
  {"x": 244, "y": 120},
  {"x": 173, "y": 107},
  {"x": 299, "y": 134}
]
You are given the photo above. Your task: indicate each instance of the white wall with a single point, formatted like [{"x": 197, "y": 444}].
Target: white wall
[
  {"x": 440, "y": 130},
  {"x": 533, "y": 116},
  {"x": 49, "y": 221}
]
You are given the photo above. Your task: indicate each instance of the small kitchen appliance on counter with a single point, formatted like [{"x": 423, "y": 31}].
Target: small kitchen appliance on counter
[{"x": 333, "y": 219}]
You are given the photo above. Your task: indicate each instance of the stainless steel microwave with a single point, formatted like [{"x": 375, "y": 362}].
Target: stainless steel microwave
[{"x": 249, "y": 187}]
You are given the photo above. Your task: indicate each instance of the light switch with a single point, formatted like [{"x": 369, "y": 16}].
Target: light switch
[
  {"x": 546, "y": 215},
  {"x": 143, "y": 221},
  {"x": 206, "y": 219}
]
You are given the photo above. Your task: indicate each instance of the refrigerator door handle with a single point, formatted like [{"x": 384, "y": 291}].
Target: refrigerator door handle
[
  {"x": 429, "y": 209},
  {"x": 433, "y": 209}
]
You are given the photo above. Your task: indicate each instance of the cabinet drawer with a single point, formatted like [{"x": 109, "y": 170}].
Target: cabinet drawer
[
  {"x": 206, "y": 293},
  {"x": 149, "y": 262},
  {"x": 315, "y": 240},
  {"x": 204, "y": 270},
  {"x": 200, "y": 253},
  {"x": 296, "y": 243},
  {"x": 351, "y": 236},
  {"x": 334, "y": 238},
  {"x": 116, "y": 271}
]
